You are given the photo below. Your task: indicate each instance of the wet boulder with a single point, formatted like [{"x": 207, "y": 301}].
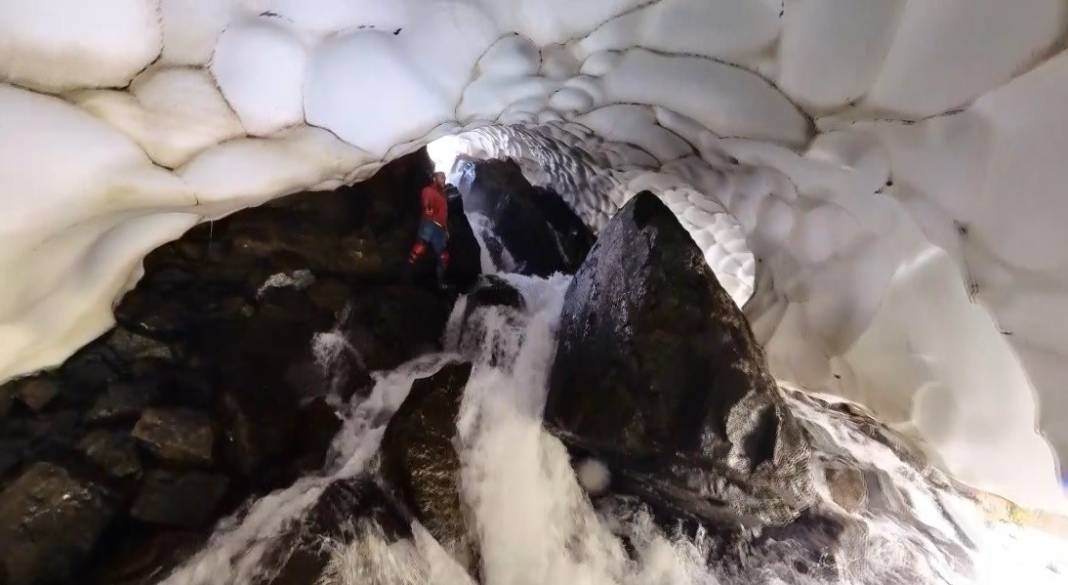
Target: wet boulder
[
  {"x": 50, "y": 523},
  {"x": 465, "y": 262},
  {"x": 536, "y": 227},
  {"x": 347, "y": 509},
  {"x": 389, "y": 325},
  {"x": 177, "y": 435},
  {"x": 493, "y": 291},
  {"x": 145, "y": 557},
  {"x": 89, "y": 372},
  {"x": 36, "y": 392},
  {"x": 114, "y": 452},
  {"x": 179, "y": 499},
  {"x": 121, "y": 402},
  {"x": 258, "y": 425},
  {"x": 492, "y": 305},
  {"x": 657, "y": 371},
  {"x": 133, "y": 346},
  {"x": 420, "y": 462}
]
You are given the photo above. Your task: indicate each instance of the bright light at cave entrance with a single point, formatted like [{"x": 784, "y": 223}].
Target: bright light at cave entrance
[{"x": 443, "y": 152}]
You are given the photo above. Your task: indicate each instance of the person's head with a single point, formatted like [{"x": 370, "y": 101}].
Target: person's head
[{"x": 439, "y": 179}]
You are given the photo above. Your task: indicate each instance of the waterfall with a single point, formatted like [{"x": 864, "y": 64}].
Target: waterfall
[{"x": 534, "y": 523}]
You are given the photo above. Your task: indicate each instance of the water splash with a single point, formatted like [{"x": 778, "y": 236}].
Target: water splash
[
  {"x": 535, "y": 524},
  {"x": 238, "y": 550}
]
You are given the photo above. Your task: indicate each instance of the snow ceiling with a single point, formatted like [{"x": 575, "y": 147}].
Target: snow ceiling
[{"x": 890, "y": 173}]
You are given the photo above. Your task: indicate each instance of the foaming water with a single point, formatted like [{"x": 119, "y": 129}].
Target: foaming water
[
  {"x": 533, "y": 523},
  {"x": 236, "y": 553},
  {"x": 488, "y": 240},
  {"x": 919, "y": 526}
]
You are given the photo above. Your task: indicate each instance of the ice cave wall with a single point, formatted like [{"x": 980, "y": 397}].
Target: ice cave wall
[{"x": 889, "y": 172}]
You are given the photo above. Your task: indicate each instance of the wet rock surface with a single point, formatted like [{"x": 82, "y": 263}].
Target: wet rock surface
[
  {"x": 464, "y": 267},
  {"x": 654, "y": 356},
  {"x": 224, "y": 376},
  {"x": 658, "y": 378},
  {"x": 180, "y": 499},
  {"x": 37, "y": 392},
  {"x": 347, "y": 509},
  {"x": 658, "y": 375},
  {"x": 114, "y": 452},
  {"x": 50, "y": 522},
  {"x": 536, "y": 227},
  {"x": 493, "y": 291},
  {"x": 179, "y": 436},
  {"x": 420, "y": 462}
]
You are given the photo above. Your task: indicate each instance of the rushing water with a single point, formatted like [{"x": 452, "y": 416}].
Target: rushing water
[{"x": 535, "y": 524}]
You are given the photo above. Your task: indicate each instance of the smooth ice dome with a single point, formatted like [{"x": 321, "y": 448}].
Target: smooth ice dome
[{"x": 879, "y": 184}]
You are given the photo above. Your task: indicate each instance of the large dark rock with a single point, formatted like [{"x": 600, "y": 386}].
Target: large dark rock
[
  {"x": 177, "y": 435},
  {"x": 258, "y": 426},
  {"x": 114, "y": 452},
  {"x": 50, "y": 522},
  {"x": 145, "y": 557},
  {"x": 348, "y": 509},
  {"x": 227, "y": 375},
  {"x": 132, "y": 346},
  {"x": 420, "y": 462},
  {"x": 389, "y": 325},
  {"x": 465, "y": 263},
  {"x": 492, "y": 308},
  {"x": 493, "y": 291},
  {"x": 89, "y": 371},
  {"x": 539, "y": 231},
  {"x": 121, "y": 402},
  {"x": 317, "y": 425},
  {"x": 657, "y": 371},
  {"x": 37, "y": 392},
  {"x": 39, "y": 436},
  {"x": 184, "y": 500}
]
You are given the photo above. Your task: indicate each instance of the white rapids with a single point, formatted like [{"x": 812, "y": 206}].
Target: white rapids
[{"x": 535, "y": 524}]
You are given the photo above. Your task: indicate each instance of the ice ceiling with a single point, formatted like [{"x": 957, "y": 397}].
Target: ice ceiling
[{"x": 890, "y": 173}]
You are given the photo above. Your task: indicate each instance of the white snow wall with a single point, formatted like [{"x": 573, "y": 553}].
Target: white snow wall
[{"x": 891, "y": 172}]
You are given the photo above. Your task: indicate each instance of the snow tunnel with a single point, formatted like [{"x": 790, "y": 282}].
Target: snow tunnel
[{"x": 878, "y": 184}]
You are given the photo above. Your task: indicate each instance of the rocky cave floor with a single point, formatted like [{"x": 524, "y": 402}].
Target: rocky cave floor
[{"x": 211, "y": 389}]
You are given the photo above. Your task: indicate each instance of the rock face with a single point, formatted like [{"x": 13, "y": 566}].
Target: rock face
[
  {"x": 50, "y": 522},
  {"x": 464, "y": 266},
  {"x": 539, "y": 230},
  {"x": 186, "y": 499},
  {"x": 37, "y": 392},
  {"x": 345, "y": 508},
  {"x": 230, "y": 362},
  {"x": 420, "y": 462},
  {"x": 114, "y": 452},
  {"x": 657, "y": 367},
  {"x": 493, "y": 291},
  {"x": 177, "y": 435}
]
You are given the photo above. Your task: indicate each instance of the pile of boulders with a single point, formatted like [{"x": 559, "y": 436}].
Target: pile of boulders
[{"x": 221, "y": 381}]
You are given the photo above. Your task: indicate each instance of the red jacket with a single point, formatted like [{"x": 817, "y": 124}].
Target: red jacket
[{"x": 435, "y": 205}]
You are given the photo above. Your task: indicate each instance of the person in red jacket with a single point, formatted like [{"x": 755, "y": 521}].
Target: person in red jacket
[{"x": 433, "y": 231}]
